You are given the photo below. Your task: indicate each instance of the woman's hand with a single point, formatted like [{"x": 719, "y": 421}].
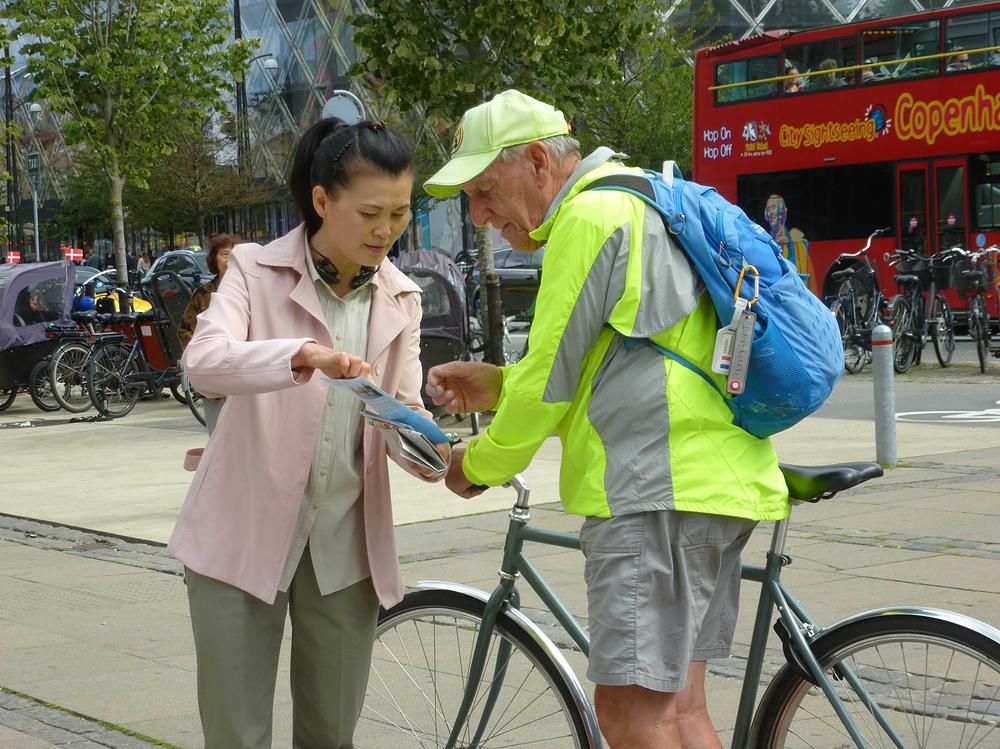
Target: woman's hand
[{"x": 336, "y": 365}]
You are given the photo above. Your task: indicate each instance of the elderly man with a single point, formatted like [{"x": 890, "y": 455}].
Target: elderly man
[{"x": 669, "y": 488}]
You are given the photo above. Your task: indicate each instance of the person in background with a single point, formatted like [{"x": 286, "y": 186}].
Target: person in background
[
  {"x": 93, "y": 260},
  {"x": 289, "y": 513},
  {"x": 218, "y": 260},
  {"x": 143, "y": 263},
  {"x": 959, "y": 61}
]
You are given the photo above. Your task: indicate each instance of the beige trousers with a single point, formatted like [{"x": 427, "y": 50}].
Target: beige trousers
[{"x": 237, "y": 639}]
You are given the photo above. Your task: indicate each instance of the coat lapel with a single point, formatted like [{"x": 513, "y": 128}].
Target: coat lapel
[
  {"x": 289, "y": 251},
  {"x": 388, "y": 318}
]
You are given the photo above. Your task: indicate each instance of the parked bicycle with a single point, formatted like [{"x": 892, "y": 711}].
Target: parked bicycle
[
  {"x": 975, "y": 277},
  {"x": 859, "y": 305},
  {"x": 454, "y": 666},
  {"x": 67, "y": 368},
  {"x": 920, "y": 311}
]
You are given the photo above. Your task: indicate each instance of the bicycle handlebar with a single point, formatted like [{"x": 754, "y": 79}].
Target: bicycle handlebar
[
  {"x": 520, "y": 485},
  {"x": 868, "y": 244}
]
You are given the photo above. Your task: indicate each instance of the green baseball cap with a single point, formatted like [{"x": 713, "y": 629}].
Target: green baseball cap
[{"x": 508, "y": 119}]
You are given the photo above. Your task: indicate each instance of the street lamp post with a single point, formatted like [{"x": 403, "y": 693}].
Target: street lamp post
[{"x": 13, "y": 200}]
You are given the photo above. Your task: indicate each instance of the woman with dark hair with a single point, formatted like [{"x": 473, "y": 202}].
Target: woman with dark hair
[
  {"x": 289, "y": 511},
  {"x": 218, "y": 259}
]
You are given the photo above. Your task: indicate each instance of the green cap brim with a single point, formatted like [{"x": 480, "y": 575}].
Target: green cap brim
[{"x": 462, "y": 169}]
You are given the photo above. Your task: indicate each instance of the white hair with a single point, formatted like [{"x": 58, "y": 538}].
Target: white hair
[{"x": 562, "y": 148}]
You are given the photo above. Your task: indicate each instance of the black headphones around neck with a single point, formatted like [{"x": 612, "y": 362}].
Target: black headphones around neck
[{"x": 329, "y": 272}]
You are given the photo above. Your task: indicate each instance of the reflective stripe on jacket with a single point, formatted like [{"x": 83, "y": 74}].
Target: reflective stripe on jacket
[{"x": 639, "y": 431}]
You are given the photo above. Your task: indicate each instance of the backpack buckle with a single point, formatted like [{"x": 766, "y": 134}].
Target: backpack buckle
[{"x": 756, "y": 283}]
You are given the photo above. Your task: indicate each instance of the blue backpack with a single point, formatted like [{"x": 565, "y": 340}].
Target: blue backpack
[{"x": 797, "y": 356}]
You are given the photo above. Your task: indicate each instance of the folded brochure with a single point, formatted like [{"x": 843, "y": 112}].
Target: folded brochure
[{"x": 407, "y": 433}]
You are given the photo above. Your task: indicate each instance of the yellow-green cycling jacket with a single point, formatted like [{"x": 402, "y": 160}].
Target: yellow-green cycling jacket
[{"x": 639, "y": 431}]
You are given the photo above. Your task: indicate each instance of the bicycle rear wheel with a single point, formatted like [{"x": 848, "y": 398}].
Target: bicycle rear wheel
[
  {"x": 7, "y": 396},
  {"x": 68, "y": 377},
  {"x": 195, "y": 401},
  {"x": 39, "y": 388},
  {"x": 420, "y": 664},
  {"x": 854, "y": 353},
  {"x": 936, "y": 682},
  {"x": 943, "y": 332},
  {"x": 904, "y": 344},
  {"x": 111, "y": 381}
]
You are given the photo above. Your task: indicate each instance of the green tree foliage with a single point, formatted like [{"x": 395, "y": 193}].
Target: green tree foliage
[
  {"x": 646, "y": 110},
  {"x": 445, "y": 56},
  {"x": 131, "y": 75},
  {"x": 86, "y": 209}
]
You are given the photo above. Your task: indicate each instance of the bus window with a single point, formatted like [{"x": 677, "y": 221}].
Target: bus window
[
  {"x": 993, "y": 58},
  {"x": 951, "y": 206},
  {"x": 741, "y": 71},
  {"x": 815, "y": 60},
  {"x": 897, "y": 51},
  {"x": 987, "y": 182},
  {"x": 963, "y": 33}
]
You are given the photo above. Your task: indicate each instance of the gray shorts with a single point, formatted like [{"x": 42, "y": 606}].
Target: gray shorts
[{"x": 663, "y": 590}]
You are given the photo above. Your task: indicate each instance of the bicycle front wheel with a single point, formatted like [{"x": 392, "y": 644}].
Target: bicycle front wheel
[
  {"x": 68, "y": 377},
  {"x": 936, "y": 683},
  {"x": 420, "y": 667},
  {"x": 979, "y": 329},
  {"x": 111, "y": 381},
  {"x": 39, "y": 388},
  {"x": 944, "y": 330},
  {"x": 904, "y": 343}
]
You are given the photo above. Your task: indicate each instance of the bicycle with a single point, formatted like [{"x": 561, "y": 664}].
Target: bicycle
[
  {"x": 859, "y": 305},
  {"x": 454, "y": 666},
  {"x": 974, "y": 278},
  {"x": 119, "y": 373},
  {"x": 914, "y": 317},
  {"x": 67, "y": 369}
]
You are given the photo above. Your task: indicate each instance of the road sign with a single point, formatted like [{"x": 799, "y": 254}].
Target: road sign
[{"x": 33, "y": 169}]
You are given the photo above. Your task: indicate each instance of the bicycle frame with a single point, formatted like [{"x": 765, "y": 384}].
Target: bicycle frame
[{"x": 798, "y": 625}]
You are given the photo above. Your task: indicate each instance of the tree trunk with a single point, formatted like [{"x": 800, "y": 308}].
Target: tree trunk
[
  {"x": 118, "y": 233},
  {"x": 490, "y": 298}
]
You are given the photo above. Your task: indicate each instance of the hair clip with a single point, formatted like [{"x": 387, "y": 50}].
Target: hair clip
[
  {"x": 378, "y": 127},
  {"x": 348, "y": 144}
]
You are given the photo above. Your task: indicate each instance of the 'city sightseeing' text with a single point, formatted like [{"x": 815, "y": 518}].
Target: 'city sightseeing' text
[{"x": 816, "y": 135}]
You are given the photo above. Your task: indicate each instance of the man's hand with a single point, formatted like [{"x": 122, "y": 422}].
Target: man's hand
[
  {"x": 464, "y": 387},
  {"x": 336, "y": 365},
  {"x": 455, "y": 478}
]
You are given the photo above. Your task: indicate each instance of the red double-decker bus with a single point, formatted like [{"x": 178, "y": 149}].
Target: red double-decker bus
[{"x": 824, "y": 136}]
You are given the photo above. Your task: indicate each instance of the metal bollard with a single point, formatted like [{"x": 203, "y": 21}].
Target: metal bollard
[{"x": 885, "y": 396}]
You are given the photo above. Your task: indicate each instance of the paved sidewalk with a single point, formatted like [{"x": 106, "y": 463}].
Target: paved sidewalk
[{"x": 96, "y": 627}]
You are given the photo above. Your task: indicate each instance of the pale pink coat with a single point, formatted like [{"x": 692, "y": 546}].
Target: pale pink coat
[{"x": 237, "y": 522}]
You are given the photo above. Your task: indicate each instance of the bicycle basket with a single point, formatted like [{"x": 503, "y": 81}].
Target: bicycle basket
[
  {"x": 946, "y": 273},
  {"x": 972, "y": 283},
  {"x": 920, "y": 268}
]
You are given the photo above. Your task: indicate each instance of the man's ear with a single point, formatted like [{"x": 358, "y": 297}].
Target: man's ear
[
  {"x": 541, "y": 159},
  {"x": 320, "y": 199}
]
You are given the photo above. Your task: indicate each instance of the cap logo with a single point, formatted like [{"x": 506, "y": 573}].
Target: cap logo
[{"x": 457, "y": 141}]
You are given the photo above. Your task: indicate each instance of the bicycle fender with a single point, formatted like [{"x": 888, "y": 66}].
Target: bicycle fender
[
  {"x": 952, "y": 617},
  {"x": 543, "y": 640}
]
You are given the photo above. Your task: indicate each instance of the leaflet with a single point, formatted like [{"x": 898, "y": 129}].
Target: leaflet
[
  {"x": 388, "y": 409},
  {"x": 409, "y": 444}
]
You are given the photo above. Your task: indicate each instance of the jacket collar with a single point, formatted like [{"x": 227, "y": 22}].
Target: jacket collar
[{"x": 573, "y": 185}]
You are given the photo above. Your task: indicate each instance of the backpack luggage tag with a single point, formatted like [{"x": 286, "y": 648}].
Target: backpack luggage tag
[{"x": 741, "y": 328}]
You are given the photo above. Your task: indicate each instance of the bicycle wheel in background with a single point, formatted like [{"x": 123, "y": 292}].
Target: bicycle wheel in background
[
  {"x": 177, "y": 390},
  {"x": 904, "y": 345},
  {"x": 936, "y": 682},
  {"x": 195, "y": 401},
  {"x": 979, "y": 330},
  {"x": 68, "y": 377},
  {"x": 943, "y": 332},
  {"x": 423, "y": 646},
  {"x": 854, "y": 353},
  {"x": 40, "y": 389},
  {"x": 111, "y": 381},
  {"x": 7, "y": 396}
]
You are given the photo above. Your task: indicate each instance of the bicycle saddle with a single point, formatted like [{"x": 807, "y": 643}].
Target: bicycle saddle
[
  {"x": 84, "y": 317},
  {"x": 117, "y": 318},
  {"x": 813, "y": 483},
  {"x": 906, "y": 279}
]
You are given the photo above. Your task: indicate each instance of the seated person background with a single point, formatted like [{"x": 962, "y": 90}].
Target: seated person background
[
  {"x": 31, "y": 308},
  {"x": 828, "y": 80},
  {"x": 795, "y": 84},
  {"x": 959, "y": 61}
]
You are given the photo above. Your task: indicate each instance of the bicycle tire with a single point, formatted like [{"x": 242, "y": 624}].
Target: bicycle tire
[
  {"x": 979, "y": 329},
  {"x": 854, "y": 353},
  {"x": 943, "y": 334},
  {"x": 422, "y": 648},
  {"x": 904, "y": 348},
  {"x": 39, "y": 389},
  {"x": 108, "y": 383},
  {"x": 7, "y": 396},
  {"x": 195, "y": 401},
  {"x": 68, "y": 377},
  {"x": 794, "y": 713},
  {"x": 177, "y": 390}
]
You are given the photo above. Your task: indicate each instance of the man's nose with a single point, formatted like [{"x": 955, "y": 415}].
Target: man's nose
[{"x": 479, "y": 211}]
